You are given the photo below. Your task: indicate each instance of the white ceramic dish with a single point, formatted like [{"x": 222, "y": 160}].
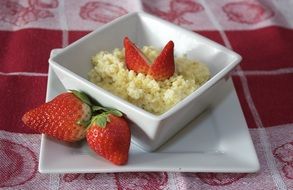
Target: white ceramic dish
[
  {"x": 217, "y": 141},
  {"x": 149, "y": 131}
]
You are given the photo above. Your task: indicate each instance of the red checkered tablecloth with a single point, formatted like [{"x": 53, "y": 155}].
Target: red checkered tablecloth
[{"x": 260, "y": 30}]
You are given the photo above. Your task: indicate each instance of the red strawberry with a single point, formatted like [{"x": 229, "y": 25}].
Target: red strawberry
[
  {"x": 63, "y": 118},
  {"x": 135, "y": 60},
  {"x": 109, "y": 136},
  {"x": 163, "y": 66}
]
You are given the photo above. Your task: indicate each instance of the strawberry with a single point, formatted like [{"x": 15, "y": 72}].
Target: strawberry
[
  {"x": 135, "y": 60},
  {"x": 109, "y": 136},
  {"x": 64, "y": 118},
  {"x": 163, "y": 66}
]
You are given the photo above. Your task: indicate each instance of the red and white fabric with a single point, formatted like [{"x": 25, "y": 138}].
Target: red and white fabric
[{"x": 260, "y": 30}]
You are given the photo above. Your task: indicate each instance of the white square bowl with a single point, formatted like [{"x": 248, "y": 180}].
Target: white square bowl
[{"x": 149, "y": 131}]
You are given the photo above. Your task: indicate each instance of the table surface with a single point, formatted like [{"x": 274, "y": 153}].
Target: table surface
[{"x": 260, "y": 31}]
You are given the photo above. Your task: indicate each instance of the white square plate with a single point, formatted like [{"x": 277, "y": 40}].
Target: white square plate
[{"x": 216, "y": 141}]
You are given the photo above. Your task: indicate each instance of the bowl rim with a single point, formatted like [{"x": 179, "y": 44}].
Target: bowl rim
[{"x": 179, "y": 105}]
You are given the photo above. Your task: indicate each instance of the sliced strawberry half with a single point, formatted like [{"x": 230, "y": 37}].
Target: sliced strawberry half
[
  {"x": 163, "y": 66},
  {"x": 135, "y": 60}
]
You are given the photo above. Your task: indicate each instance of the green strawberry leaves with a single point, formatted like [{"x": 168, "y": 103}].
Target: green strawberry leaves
[
  {"x": 82, "y": 96},
  {"x": 107, "y": 110},
  {"x": 102, "y": 118},
  {"x": 99, "y": 113},
  {"x": 116, "y": 113},
  {"x": 98, "y": 108}
]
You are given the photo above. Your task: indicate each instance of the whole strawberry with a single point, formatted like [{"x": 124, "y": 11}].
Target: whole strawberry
[
  {"x": 64, "y": 118},
  {"x": 163, "y": 66},
  {"x": 109, "y": 136}
]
